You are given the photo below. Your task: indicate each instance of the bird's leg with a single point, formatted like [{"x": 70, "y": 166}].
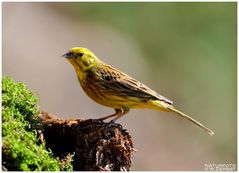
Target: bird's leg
[
  {"x": 117, "y": 113},
  {"x": 122, "y": 112}
]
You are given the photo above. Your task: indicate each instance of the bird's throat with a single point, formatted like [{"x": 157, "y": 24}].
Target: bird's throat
[{"x": 78, "y": 68}]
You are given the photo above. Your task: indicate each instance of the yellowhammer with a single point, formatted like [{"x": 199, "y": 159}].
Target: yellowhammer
[{"x": 113, "y": 88}]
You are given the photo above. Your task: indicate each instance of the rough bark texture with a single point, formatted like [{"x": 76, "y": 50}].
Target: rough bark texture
[{"x": 93, "y": 144}]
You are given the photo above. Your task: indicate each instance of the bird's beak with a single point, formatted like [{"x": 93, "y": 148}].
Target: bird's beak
[
  {"x": 64, "y": 55},
  {"x": 67, "y": 55}
]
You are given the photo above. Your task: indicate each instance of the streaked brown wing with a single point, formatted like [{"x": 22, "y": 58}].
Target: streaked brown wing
[{"x": 121, "y": 84}]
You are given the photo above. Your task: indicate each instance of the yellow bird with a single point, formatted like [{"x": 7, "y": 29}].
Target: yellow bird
[{"x": 113, "y": 88}]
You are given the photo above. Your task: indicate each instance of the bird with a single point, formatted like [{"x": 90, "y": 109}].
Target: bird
[{"x": 113, "y": 88}]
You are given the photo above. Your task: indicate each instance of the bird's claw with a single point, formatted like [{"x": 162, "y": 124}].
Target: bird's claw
[{"x": 112, "y": 122}]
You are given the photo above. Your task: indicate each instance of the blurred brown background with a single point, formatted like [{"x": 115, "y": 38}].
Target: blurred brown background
[{"x": 185, "y": 51}]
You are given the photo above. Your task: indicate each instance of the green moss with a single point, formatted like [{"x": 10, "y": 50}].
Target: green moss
[{"x": 21, "y": 148}]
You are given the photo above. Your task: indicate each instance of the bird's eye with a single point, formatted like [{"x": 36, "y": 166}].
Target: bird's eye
[{"x": 81, "y": 54}]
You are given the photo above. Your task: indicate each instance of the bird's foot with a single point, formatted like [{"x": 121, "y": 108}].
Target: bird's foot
[{"x": 112, "y": 122}]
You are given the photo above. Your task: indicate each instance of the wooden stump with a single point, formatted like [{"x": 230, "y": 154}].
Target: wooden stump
[{"x": 92, "y": 144}]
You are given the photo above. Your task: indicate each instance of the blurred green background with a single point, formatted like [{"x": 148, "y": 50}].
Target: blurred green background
[{"x": 185, "y": 51}]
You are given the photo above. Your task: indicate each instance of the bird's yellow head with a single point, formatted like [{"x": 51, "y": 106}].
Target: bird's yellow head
[{"x": 81, "y": 58}]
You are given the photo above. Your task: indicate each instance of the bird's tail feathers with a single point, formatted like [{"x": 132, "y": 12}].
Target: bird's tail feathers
[{"x": 173, "y": 109}]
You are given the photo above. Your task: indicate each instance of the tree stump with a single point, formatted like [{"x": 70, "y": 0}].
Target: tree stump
[{"x": 92, "y": 144}]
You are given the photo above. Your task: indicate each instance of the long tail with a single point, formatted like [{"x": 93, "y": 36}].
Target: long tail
[{"x": 173, "y": 109}]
